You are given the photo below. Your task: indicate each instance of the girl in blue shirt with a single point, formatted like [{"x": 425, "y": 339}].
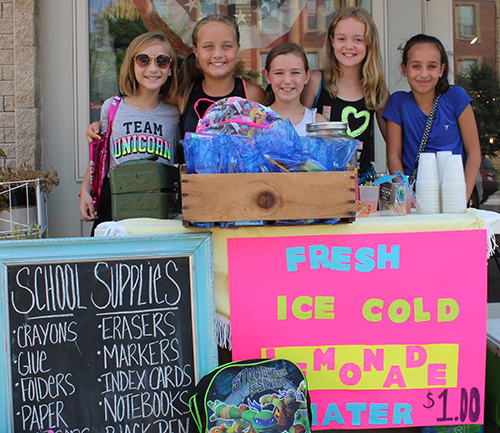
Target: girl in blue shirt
[{"x": 425, "y": 65}]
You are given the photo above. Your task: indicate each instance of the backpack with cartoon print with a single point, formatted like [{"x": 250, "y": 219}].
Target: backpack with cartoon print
[
  {"x": 236, "y": 116},
  {"x": 251, "y": 396}
]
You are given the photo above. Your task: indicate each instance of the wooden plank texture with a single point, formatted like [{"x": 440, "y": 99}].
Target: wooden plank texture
[{"x": 267, "y": 196}]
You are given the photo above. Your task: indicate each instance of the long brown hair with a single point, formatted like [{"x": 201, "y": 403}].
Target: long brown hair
[
  {"x": 372, "y": 72},
  {"x": 128, "y": 83},
  {"x": 190, "y": 70},
  {"x": 278, "y": 50}
]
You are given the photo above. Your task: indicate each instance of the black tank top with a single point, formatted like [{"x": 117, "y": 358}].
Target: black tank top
[
  {"x": 360, "y": 126},
  {"x": 189, "y": 118}
]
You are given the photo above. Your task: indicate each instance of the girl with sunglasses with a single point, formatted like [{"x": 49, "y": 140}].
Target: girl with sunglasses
[{"x": 144, "y": 124}]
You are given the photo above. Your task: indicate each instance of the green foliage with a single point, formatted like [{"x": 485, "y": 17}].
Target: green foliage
[
  {"x": 33, "y": 232},
  {"x": 241, "y": 72},
  {"x": 122, "y": 32},
  {"x": 482, "y": 83},
  {"x": 108, "y": 42},
  {"x": 22, "y": 234}
]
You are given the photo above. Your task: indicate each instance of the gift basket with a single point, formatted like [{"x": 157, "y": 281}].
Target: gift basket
[{"x": 245, "y": 165}]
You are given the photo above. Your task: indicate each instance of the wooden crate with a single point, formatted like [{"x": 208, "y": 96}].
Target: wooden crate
[{"x": 268, "y": 196}]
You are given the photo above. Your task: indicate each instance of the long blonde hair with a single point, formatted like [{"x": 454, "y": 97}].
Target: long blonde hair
[
  {"x": 190, "y": 71},
  {"x": 128, "y": 83},
  {"x": 372, "y": 72}
]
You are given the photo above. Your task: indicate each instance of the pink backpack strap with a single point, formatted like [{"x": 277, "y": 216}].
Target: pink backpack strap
[
  {"x": 196, "y": 106},
  {"x": 244, "y": 87},
  {"x": 238, "y": 122}
]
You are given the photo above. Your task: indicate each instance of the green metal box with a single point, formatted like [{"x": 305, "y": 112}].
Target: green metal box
[
  {"x": 144, "y": 189},
  {"x": 144, "y": 205}
]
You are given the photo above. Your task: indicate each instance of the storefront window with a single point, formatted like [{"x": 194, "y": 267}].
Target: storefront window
[{"x": 263, "y": 24}]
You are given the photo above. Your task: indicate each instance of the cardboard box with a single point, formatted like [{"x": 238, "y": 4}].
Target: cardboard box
[{"x": 268, "y": 196}]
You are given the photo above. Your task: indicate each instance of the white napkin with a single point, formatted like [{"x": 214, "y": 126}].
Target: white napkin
[
  {"x": 110, "y": 228},
  {"x": 490, "y": 218}
]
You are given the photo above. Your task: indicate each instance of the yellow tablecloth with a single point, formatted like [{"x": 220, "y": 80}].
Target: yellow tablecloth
[{"x": 472, "y": 220}]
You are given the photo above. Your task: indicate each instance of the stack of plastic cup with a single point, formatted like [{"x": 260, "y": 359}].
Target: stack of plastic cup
[
  {"x": 427, "y": 185},
  {"x": 453, "y": 189},
  {"x": 441, "y": 161}
]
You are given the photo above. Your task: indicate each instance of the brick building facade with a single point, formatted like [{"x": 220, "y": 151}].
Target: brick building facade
[{"x": 20, "y": 82}]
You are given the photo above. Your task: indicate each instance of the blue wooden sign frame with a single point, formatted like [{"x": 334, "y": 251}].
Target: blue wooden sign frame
[{"x": 197, "y": 247}]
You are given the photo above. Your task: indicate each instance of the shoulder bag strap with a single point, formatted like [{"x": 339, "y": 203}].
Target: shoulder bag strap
[
  {"x": 111, "y": 114},
  {"x": 423, "y": 142},
  {"x": 319, "y": 91}
]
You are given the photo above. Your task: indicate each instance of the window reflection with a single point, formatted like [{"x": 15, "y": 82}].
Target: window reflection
[{"x": 263, "y": 24}]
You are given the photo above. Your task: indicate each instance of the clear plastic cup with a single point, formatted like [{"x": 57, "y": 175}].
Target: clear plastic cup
[{"x": 370, "y": 194}]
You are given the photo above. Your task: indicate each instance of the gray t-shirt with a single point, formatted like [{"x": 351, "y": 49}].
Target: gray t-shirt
[{"x": 142, "y": 134}]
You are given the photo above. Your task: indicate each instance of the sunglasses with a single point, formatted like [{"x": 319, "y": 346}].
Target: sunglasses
[{"x": 162, "y": 61}]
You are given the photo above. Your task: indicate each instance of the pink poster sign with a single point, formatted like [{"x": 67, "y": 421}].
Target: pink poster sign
[{"x": 390, "y": 329}]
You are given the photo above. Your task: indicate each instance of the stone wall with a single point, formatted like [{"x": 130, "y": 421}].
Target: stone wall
[{"x": 20, "y": 82}]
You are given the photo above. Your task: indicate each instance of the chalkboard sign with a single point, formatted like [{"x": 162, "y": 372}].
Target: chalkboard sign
[{"x": 111, "y": 342}]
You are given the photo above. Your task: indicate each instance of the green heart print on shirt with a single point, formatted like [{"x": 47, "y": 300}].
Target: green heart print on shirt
[{"x": 364, "y": 113}]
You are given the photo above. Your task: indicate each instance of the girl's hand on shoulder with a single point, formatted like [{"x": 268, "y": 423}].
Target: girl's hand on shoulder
[
  {"x": 255, "y": 93},
  {"x": 92, "y": 132},
  {"x": 311, "y": 90}
]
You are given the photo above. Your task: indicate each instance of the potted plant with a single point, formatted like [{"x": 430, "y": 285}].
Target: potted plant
[{"x": 22, "y": 198}]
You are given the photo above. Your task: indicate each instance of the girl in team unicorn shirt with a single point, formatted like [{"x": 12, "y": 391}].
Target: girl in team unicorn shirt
[{"x": 144, "y": 125}]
